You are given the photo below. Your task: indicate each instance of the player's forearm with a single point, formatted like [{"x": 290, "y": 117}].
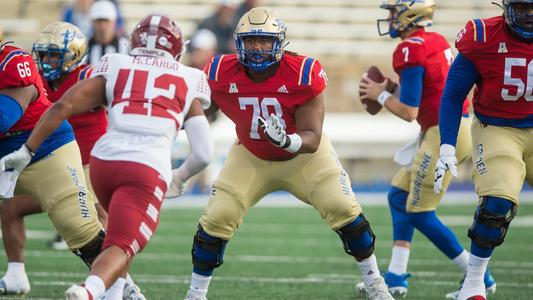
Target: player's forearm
[
  {"x": 404, "y": 102},
  {"x": 401, "y": 110},
  {"x": 461, "y": 78},
  {"x": 48, "y": 123},
  {"x": 198, "y": 133},
  {"x": 310, "y": 141}
]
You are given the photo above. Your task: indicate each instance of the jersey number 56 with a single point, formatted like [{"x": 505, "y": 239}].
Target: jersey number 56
[{"x": 525, "y": 90}]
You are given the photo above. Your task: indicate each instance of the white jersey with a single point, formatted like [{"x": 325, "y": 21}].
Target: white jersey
[{"x": 147, "y": 100}]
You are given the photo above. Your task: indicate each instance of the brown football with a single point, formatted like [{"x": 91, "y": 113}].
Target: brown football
[{"x": 373, "y": 107}]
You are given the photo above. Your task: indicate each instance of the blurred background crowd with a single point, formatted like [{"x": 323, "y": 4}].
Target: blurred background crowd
[{"x": 342, "y": 34}]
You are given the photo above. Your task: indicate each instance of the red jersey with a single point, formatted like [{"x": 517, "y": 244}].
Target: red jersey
[
  {"x": 297, "y": 80},
  {"x": 17, "y": 69},
  {"x": 503, "y": 63},
  {"x": 88, "y": 127},
  {"x": 431, "y": 51}
]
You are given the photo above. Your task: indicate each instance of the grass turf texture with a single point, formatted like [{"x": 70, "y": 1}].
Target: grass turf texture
[{"x": 285, "y": 253}]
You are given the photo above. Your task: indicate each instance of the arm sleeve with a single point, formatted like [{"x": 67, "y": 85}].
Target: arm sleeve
[
  {"x": 10, "y": 112},
  {"x": 203, "y": 92},
  {"x": 461, "y": 78},
  {"x": 199, "y": 136},
  {"x": 411, "y": 79}
]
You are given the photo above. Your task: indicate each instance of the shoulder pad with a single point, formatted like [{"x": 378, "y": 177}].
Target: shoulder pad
[
  {"x": 410, "y": 52},
  {"x": 14, "y": 55},
  {"x": 472, "y": 35}
]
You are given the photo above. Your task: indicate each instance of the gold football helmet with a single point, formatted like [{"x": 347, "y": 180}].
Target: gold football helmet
[
  {"x": 404, "y": 14},
  {"x": 60, "y": 48},
  {"x": 260, "y": 22}
]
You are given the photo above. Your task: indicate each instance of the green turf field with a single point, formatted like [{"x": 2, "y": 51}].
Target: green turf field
[{"x": 285, "y": 253}]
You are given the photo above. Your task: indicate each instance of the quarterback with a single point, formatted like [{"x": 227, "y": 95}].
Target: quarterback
[
  {"x": 275, "y": 100},
  {"x": 150, "y": 96},
  {"x": 54, "y": 175},
  {"x": 421, "y": 60},
  {"x": 495, "y": 55}
]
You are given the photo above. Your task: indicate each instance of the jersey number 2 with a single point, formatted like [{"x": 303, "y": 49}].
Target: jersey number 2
[
  {"x": 169, "y": 89},
  {"x": 525, "y": 90},
  {"x": 260, "y": 109}
]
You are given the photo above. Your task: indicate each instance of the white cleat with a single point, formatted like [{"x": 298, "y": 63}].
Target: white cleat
[
  {"x": 132, "y": 292},
  {"x": 9, "y": 286},
  {"x": 376, "y": 289},
  {"x": 192, "y": 296},
  {"x": 77, "y": 292}
]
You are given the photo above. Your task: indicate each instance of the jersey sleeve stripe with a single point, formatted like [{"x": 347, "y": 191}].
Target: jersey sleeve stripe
[
  {"x": 305, "y": 71},
  {"x": 311, "y": 72},
  {"x": 415, "y": 40},
  {"x": 479, "y": 31},
  {"x": 85, "y": 73},
  {"x": 10, "y": 56},
  {"x": 215, "y": 66}
]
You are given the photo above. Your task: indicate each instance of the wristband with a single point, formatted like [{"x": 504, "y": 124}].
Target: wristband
[
  {"x": 32, "y": 154},
  {"x": 295, "y": 143},
  {"x": 383, "y": 96}
]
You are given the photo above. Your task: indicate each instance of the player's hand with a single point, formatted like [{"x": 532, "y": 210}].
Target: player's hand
[
  {"x": 371, "y": 89},
  {"x": 177, "y": 186},
  {"x": 447, "y": 161},
  {"x": 16, "y": 161},
  {"x": 274, "y": 131}
]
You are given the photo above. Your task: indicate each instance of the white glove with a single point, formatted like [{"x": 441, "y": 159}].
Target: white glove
[
  {"x": 16, "y": 161},
  {"x": 447, "y": 161},
  {"x": 275, "y": 131},
  {"x": 177, "y": 186}
]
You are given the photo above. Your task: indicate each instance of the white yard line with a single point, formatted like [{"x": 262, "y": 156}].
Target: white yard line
[
  {"x": 282, "y": 199},
  {"x": 512, "y": 264},
  {"x": 313, "y": 278}
]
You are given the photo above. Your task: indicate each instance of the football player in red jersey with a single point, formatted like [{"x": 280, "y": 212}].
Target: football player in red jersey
[
  {"x": 60, "y": 191},
  {"x": 496, "y": 55},
  {"x": 421, "y": 60},
  {"x": 276, "y": 101},
  {"x": 130, "y": 163}
]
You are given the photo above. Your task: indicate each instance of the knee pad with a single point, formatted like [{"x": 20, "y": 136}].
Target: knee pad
[
  {"x": 89, "y": 252},
  {"x": 491, "y": 221},
  {"x": 357, "y": 238},
  {"x": 207, "y": 252}
]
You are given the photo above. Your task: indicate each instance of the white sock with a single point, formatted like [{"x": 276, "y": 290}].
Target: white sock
[
  {"x": 200, "y": 284},
  {"x": 129, "y": 280},
  {"x": 95, "y": 285},
  {"x": 116, "y": 290},
  {"x": 15, "y": 278},
  {"x": 399, "y": 260},
  {"x": 15, "y": 269},
  {"x": 477, "y": 266},
  {"x": 462, "y": 261},
  {"x": 369, "y": 268}
]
